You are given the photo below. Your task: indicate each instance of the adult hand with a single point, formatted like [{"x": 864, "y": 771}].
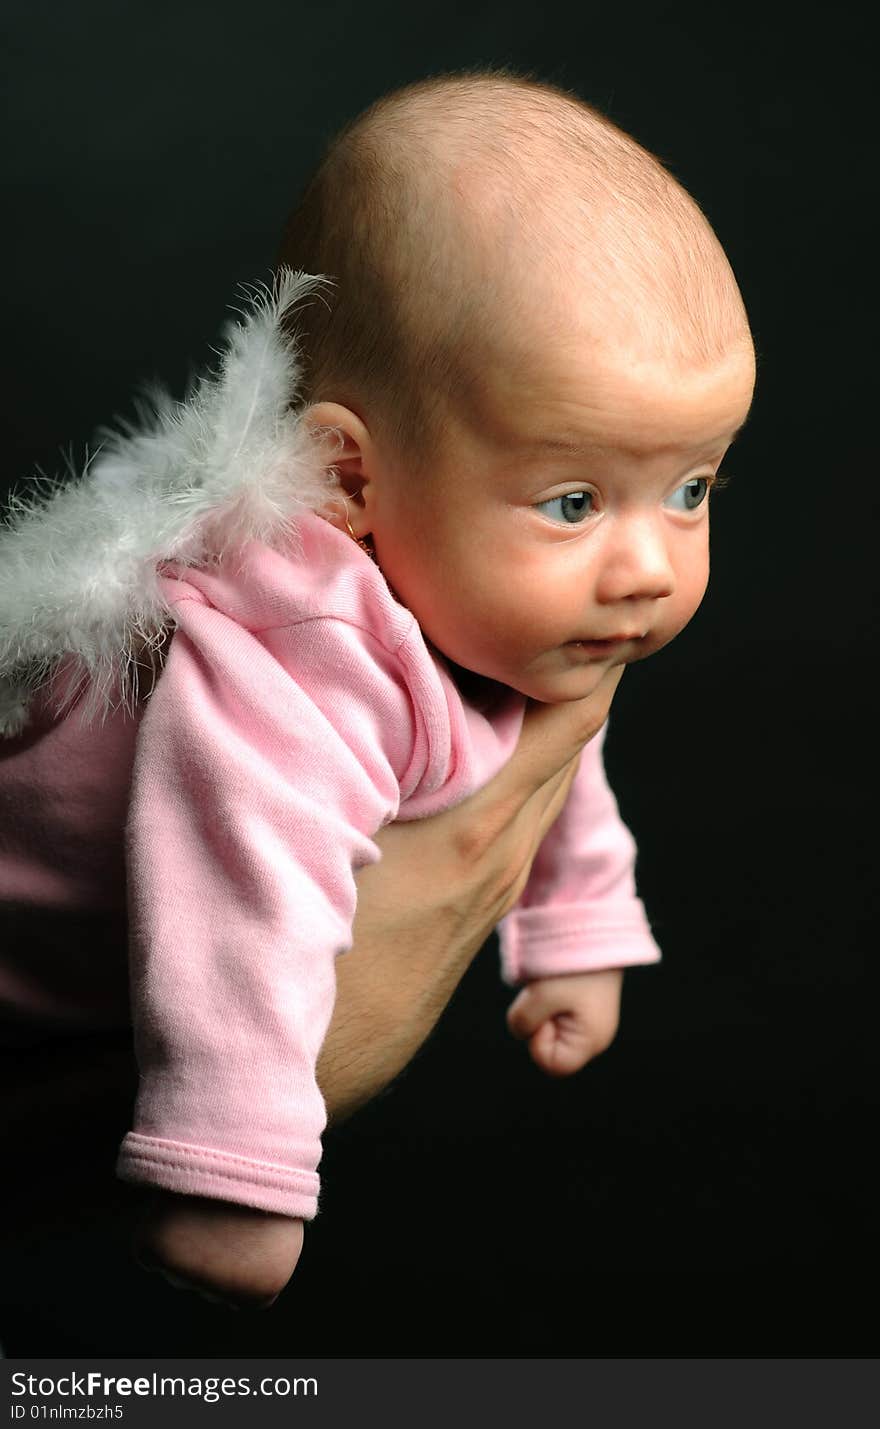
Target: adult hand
[{"x": 440, "y": 888}]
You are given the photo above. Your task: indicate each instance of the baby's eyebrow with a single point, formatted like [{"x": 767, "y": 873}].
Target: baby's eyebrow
[
  {"x": 569, "y": 447},
  {"x": 562, "y": 444}
]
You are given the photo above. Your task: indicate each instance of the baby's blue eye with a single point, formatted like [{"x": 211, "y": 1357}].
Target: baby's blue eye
[
  {"x": 571, "y": 509},
  {"x": 690, "y": 494}
]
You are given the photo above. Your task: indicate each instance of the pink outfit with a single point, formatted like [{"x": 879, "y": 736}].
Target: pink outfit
[{"x": 298, "y": 711}]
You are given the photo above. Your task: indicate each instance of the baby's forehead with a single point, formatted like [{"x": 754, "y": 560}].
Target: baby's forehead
[
  {"x": 581, "y": 377},
  {"x": 610, "y": 302}
]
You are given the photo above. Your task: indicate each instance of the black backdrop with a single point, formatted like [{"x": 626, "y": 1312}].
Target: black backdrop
[{"x": 703, "y": 1188}]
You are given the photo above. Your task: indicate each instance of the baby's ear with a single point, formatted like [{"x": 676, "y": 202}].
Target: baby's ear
[{"x": 346, "y": 443}]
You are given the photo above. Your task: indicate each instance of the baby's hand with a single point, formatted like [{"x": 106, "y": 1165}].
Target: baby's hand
[
  {"x": 225, "y": 1252},
  {"x": 568, "y": 1020}
]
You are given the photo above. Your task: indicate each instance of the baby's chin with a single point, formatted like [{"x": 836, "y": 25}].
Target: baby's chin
[
  {"x": 560, "y": 690},
  {"x": 560, "y": 682},
  {"x": 548, "y": 686},
  {"x": 552, "y": 679}
]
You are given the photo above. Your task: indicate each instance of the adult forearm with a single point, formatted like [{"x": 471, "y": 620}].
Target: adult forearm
[
  {"x": 431, "y": 902},
  {"x": 390, "y": 995}
]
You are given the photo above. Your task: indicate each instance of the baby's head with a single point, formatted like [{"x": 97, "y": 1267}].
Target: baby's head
[{"x": 533, "y": 357}]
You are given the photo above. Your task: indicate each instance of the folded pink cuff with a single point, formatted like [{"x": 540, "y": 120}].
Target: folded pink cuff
[
  {"x": 583, "y": 937},
  {"x": 199, "y": 1171}
]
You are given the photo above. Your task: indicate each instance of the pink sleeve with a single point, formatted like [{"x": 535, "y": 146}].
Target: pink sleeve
[
  {"x": 579, "y": 911},
  {"x": 262, "y": 774}
]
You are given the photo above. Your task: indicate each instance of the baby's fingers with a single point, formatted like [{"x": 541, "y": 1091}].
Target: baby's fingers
[
  {"x": 561, "y": 1045},
  {"x": 532, "y": 1007},
  {"x": 564, "y": 1036},
  {"x": 558, "y": 1041}
]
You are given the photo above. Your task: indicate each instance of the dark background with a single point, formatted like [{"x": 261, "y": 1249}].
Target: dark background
[{"x": 704, "y": 1187}]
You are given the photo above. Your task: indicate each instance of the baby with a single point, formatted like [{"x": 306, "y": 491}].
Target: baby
[{"x": 483, "y": 477}]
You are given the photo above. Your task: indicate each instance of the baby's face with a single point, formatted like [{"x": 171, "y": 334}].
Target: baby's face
[{"x": 567, "y": 528}]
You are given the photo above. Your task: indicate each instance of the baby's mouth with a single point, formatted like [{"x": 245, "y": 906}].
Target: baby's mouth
[
  {"x": 609, "y": 640},
  {"x": 609, "y": 645}
]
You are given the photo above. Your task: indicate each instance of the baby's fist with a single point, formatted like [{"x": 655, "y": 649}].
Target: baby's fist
[{"x": 567, "y": 1020}]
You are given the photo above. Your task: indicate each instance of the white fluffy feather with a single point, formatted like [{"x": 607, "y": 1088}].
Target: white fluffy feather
[{"x": 191, "y": 482}]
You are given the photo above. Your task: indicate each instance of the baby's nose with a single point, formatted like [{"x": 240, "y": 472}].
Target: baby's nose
[{"x": 637, "y": 565}]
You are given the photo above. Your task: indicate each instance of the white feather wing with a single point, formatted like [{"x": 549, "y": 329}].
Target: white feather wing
[{"x": 190, "y": 482}]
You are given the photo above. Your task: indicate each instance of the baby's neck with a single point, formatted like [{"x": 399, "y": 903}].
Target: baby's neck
[{"x": 478, "y": 690}]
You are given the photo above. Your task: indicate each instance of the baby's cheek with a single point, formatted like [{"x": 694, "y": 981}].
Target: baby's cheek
[
  {"x": 678, "y": 614},
  {"x": 694, "y": 582}
]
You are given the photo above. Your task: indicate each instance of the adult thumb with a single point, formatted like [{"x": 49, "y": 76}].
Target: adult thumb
[{"x": 553, "y": 735}]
